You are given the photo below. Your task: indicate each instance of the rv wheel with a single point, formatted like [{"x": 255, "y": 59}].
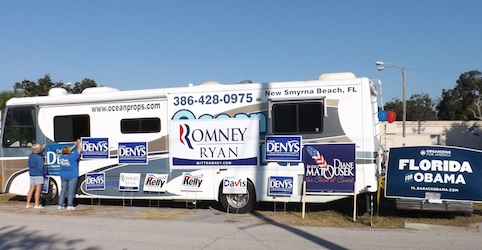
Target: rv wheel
[
  {"x": 238, "y": 203},
  {"x": 52, "y": 196}
]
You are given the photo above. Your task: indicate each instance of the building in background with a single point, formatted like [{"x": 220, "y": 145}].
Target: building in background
[{"x": 467, "y": 134}]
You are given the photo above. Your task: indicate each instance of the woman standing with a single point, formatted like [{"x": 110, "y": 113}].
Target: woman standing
[
  {"x": 69, "y": 173},
  {"x": 37, "y": 171}
]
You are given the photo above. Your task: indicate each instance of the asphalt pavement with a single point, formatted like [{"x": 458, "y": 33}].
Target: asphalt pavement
[{"x": 96, "y": 227}]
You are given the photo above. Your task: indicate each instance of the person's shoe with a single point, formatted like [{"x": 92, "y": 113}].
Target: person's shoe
[
  {"x": 27, "y": 206},
  {"x": 38, "y": 207},
  {"x": 70, "y": 208},
  {"x": 60, "y": 207}
]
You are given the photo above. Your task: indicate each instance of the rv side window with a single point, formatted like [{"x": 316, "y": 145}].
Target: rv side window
[
  {"x": 19, "y": 127},
  {"x": 140, "y": 125},
  {"x": 297, "y": 118},
  {"x": 71, "y": 127}
]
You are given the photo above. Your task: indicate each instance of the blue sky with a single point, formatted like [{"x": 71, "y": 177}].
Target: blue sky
[{"x": 156, "y": 43}]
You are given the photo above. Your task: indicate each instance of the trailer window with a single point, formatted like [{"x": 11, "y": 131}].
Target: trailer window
[
  {"x": 71, "y": 127},
  {"x": 140, "y": 125},
  {"x": 19, "y": 128},
  {"x": 297, "y": 118}
]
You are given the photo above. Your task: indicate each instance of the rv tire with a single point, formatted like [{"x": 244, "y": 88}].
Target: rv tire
[{"x": 238, "y": 203}]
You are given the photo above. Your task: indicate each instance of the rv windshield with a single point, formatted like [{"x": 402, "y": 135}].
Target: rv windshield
[{"x": 19, "y": 128}]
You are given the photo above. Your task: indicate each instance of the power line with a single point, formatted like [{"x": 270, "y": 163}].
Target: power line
[{"x": 437, "y": 71}]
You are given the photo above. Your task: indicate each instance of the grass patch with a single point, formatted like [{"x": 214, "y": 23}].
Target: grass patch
[
  {"x": 7, "y": 197},
  {"x": 327, "y": 218},
  {"x": 340, "y": 214},
  {"x": 332, "y": 218}
]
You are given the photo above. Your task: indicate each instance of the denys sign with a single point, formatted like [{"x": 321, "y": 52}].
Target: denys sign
[{"x": 448, "y": 173}]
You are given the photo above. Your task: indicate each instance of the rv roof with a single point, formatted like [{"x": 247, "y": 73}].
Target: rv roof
[
  {"x": 336, "y": 76},
  {"x": 91, "y": 96},
  {"x": 108, "y": 94}
]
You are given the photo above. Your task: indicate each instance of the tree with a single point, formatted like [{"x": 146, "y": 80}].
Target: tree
[
  {"x": 461, "y": 103},
  {"x": 43, "y": 85},
  {"x": 448, "y": 107},
  {"x": 80, "y": 86},
  {"x": 397, "y": 106},
  {"x": 29, "y": 88},
  {"x": 5, "y": 96},
  {"x": 420, "y": 107}
]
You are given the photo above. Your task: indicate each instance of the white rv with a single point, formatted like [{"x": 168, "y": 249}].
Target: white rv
[{"x": 238, "y": 144}]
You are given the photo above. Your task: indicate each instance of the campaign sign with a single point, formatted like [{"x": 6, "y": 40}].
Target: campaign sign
[
  {"x": 330, "y": 167},
  {"x": 155, "y": 182},
  {"x": 129, "y": 181},
  {"x": 214, "y": 142},
  {"x": 280, "y": 186},
  {"x": 94, "y": 181},
  {"x": 444, "y": 172},
  {"x": 95, "y": 147},
  {"x": 45, "y": 186},
  {"x": 191, "y": 183},
  {"x": 52, "y": 154},
  {"x": 235, "y": 185},
  {"x": 283, "y": 148},
  {"x": 132, "y": 152}
]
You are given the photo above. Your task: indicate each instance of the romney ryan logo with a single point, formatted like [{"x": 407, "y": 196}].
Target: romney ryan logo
[
  {"x": 213, "y": 142},
  {"x": 184, "y": 131}
]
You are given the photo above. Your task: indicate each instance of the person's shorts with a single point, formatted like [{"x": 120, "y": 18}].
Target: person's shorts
[{"x": 36, "y": 180}]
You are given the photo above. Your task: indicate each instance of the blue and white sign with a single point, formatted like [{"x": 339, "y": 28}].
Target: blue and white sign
[
  {"x": 129, "y": 181},
  {"x": 283, "y": 148},
  {"x": 235, "y": 185},
  {"x": 280, "y": 186},
  {"x": 450, "y": 173},
  {"x": 52, "y": 154},
  {"x": 95, "y": 147},
  {"x": 214, "y": 142},
  {"x": 330, "y": 167},
  {"x": 132, "y": 152},
  {"x": 95, "y": 181},
  {"x": 45, "y": 185}
]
